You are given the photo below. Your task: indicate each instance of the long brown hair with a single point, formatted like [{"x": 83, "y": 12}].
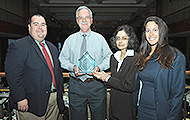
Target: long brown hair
[{"x": 166, "y": 54}]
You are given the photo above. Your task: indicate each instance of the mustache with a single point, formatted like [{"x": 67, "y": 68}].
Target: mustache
[{"x": 84, "y": 23}]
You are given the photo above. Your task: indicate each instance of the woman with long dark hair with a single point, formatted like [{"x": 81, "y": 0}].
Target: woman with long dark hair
[
  {"x": 123, "y": 69},
  {"x": 160, "y": 80}
]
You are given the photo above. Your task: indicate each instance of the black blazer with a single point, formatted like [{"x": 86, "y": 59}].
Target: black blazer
[
  {"x": 122, "y": 84},
  {"x": 29, "y": 77}
]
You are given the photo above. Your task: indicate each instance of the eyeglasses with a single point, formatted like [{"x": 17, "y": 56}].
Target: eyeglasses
[
  {"x": 36, "y": 24},
  {"x": 123, "y": 38},
  {"x": 82, "y": 18}
]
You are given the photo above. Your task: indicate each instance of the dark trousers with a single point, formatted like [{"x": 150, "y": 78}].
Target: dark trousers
[
  {"x": 114, "y": 118},
  {"x": 81, "y": 94}
]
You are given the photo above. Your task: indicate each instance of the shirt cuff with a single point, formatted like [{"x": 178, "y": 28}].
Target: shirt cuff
[{"x": 107, "y": 78}]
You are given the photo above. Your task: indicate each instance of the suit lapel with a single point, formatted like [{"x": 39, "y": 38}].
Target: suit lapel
[
  {"x": 39, "y": 53},
  {"x": 53, "y": 55},
  {"x": 37, "y": 49}
]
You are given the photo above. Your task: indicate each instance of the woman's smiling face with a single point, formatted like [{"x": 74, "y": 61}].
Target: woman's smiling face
[
  {"x": 122, "y": 40},
  {"x": 152, "y": 33}
]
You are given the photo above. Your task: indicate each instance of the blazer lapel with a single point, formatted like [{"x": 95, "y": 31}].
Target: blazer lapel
[
  {"x": 53, "y": 54},
  {"x": 37, "y": 49}
]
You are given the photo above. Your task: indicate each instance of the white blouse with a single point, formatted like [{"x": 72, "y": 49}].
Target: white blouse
[{"x": 117, "y": 57}]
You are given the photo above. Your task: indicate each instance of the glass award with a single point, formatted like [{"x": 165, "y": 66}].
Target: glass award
[{"x": 86, "y": 63}]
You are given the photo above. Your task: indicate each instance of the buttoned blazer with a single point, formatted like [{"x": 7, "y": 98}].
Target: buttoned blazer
[
  {"x": 122, "y": 87},
  {"x": 169, "y": 86},
  {"x": 29, "y": 77}
]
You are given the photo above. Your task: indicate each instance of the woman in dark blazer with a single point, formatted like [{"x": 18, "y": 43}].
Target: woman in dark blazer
[
  {"x": 160, "y": 80},
  {"x": 123, "y": 69}
]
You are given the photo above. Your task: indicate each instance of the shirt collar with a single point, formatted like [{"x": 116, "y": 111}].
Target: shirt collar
[
  {"x": 88, "y": 33},
  {"x": 129, "y": 52},
  {"x": 39, "y": 42}
]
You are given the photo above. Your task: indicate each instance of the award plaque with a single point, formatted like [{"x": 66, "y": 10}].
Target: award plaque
[{"x": 86, "y": 63}]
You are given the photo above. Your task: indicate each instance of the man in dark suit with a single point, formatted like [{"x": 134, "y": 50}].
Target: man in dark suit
[{"x": 34, "y": 76}]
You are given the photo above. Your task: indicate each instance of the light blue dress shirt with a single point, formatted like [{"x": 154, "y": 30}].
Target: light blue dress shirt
[{"x": 96, "y": 46}]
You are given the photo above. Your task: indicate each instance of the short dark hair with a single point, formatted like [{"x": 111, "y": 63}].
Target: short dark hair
[
  {"x": 133, "y": 42},
  {"x": 37, "y": 14}
]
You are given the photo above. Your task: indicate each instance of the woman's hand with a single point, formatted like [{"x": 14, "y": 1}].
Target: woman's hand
[{"x": 100, "y": 75}]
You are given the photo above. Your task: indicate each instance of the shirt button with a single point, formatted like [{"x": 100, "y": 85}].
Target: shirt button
[
  {"x": 46, "y": 92},
  {"x": 155, "y": 90},
  {"x": 156, "y": 103},
  {"x": 46, "y": 80}
]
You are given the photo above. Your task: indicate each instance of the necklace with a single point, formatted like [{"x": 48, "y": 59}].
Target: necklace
[{"x": 121, "y": 57}]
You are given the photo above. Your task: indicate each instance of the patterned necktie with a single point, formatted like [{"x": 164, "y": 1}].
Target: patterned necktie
[
  {"x": 48, "y": 60},
  {"x": 83, "y": 46}
]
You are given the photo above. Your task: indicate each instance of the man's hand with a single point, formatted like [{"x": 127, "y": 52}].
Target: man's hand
[
  {"x": 76, "y": 71},
  {"x": 23, "y": 105},
  {"x": 97, "y": 69}
]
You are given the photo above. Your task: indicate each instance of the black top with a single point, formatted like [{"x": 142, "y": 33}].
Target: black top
[{"x": 122, "y": 84}]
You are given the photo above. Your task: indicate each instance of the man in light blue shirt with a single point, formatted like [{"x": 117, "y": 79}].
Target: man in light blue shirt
[{"x": 83, "y": 88}]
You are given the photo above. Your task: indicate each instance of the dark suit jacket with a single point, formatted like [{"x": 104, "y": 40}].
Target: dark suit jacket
[
  {"x": 29, "y": 77},
  {"x": 122, "y": 84},
  {"x": 169, "y": 85}
]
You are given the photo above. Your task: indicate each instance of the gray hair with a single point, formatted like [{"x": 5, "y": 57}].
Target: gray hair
[{"x": 83, "y": 7}]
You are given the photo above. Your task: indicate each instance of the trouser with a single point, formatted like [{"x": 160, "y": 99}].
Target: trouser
[
  {"x": 81, "y": 94},
  {"x": 114, "y": 118},
  {"x": 51, "y": 112}
]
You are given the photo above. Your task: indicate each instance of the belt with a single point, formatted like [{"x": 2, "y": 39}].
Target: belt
[
  {"x": 86, "y": 81},
  {"x": 52, "y": 91}
]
